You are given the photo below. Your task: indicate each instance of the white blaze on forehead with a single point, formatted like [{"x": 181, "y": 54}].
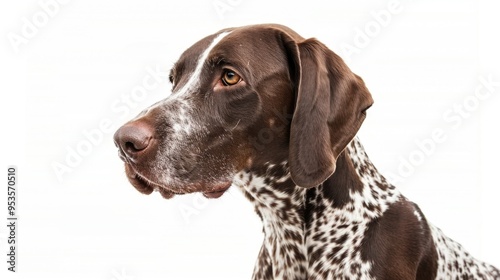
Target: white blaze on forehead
[
  {"x": 194, "y": 78},
  {"x": 195, "y": 75}
]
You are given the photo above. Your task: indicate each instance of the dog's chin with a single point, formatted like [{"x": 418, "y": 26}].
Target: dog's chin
[
  {"x": 147, "y": 186},
  {"x": 218, "y": 190}
]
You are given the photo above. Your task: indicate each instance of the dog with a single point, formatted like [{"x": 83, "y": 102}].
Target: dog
[{"x": 276, "y": 115}]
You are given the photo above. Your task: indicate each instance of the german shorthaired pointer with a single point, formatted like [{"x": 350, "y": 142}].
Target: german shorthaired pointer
[{"x": 261, "y": 108}]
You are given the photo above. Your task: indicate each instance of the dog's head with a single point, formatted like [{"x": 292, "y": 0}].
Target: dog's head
[{"x": 241, "y": 98}]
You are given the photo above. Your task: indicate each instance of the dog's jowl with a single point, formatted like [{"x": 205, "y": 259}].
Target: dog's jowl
[{"x": 276, "y": 115}]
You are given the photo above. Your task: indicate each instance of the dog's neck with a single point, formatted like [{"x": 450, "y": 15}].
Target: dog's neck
[
  {"x": 292, "y": 216},
  {"x": 356, "y": 187}
]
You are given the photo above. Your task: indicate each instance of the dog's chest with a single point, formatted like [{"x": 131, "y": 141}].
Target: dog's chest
[
  {"x": 322, "y": 250},
  {"x": 280, "y": 205},
  {"x": 333, "y": 240},
  {"x": 304, "y": 236}
]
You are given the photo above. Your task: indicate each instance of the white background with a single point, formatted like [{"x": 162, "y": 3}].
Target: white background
[{"x": 66, "y": 76}]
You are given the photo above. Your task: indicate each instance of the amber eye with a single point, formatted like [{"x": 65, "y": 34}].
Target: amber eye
[{"x": 230, "y": 78}]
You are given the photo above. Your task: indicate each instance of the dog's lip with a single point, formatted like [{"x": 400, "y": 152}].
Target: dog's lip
[
  {"x": 144, "y": 185},
  {"x": 147, "y": 186},
  {"x": 218, "y": 191}
]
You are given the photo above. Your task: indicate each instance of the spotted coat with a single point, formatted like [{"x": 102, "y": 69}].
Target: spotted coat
[{"x": 321, "y": 233}]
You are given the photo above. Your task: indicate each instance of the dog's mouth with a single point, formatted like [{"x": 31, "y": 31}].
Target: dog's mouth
[{"x": 147, "y": 186}]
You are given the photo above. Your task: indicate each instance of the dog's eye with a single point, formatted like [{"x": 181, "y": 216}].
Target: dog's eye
[{"x": 230, "y": 78}]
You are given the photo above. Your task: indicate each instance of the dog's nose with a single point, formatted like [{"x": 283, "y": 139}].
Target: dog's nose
[{"x": 133, "y": 139}]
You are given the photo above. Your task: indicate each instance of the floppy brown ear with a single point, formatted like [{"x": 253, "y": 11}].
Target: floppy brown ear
[{"x": 331, "y": 104}]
